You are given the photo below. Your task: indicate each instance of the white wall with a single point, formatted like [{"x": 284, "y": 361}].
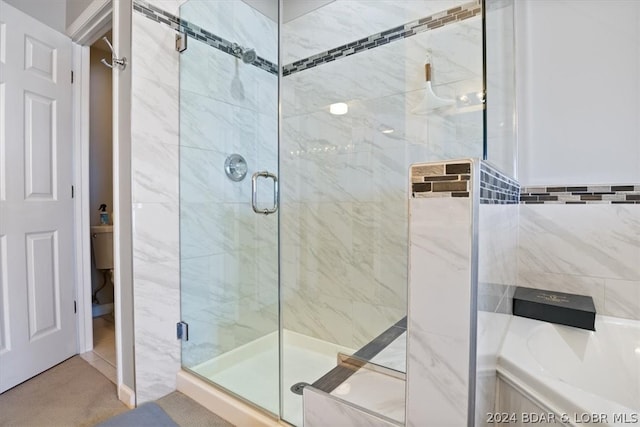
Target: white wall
[
  {"x": 578, "y": 91},
  {"x": 49, "y": 12},
  {"x": 100, "y": 153},
  {"x": 100, "y": 137}
]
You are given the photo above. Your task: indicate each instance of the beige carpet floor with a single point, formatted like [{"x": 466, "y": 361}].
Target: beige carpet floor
[{"x": 74, "y": 394}]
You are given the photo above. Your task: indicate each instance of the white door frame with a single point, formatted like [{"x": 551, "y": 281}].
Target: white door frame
[
  {"x": 84, "y": 31},
  {"x": 81, "y": 180}
]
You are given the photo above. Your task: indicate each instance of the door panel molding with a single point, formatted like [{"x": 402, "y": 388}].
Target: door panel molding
[
  {"x": 40, "y": 59},
  {"x": 40, "y": 146},
  {"x": 43, "y": 284}
]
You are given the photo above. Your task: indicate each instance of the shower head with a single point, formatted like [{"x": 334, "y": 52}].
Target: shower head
[{"x": 248, "y": 56}]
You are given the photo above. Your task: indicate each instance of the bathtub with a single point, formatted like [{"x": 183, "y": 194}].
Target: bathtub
[{"x": 584, "y": 377}]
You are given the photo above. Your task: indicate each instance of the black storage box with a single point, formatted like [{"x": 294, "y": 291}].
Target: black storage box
[{"x": 555, "y": 307}]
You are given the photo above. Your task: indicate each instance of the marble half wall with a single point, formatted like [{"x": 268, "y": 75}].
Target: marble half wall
[
  {"x": 442, "y": 293},
  {"x": 463, "y": 245}
]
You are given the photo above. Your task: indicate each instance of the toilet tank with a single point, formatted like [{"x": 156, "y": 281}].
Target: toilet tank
[{"x": 102, "y": 245}]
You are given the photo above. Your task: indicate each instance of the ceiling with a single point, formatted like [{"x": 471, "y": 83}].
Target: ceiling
[{"x": 292, "y": 8}]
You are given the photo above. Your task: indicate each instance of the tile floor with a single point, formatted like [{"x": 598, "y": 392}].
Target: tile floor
[{"x": 103, "y": 356}]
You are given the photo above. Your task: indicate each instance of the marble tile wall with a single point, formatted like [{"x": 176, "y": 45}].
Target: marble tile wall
[
  {"x": 343, "y": 178},
  {"x": 154, "y": 166},
  {"x": 497, "y": 276},
  {"x": 229, "y": 254},
  {"x": 588, "y": 249}
]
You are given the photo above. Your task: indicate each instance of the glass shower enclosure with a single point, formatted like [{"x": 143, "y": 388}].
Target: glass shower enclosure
[
  {"x": 228, "y": 185},
  {"x": 298, "y": 125}
]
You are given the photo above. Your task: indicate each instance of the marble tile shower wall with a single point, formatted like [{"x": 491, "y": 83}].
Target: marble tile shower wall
[
  {"x": 154, "y": 165},
  {"x": 583, "y": 240},
  {"x": 228, "y": 253},
  {"x": 344, "y": 190}
]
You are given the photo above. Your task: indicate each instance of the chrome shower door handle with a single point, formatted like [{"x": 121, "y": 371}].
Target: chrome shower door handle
[{"x": 254, "y": 192}]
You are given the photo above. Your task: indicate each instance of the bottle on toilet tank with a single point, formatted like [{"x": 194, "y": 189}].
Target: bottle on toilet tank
[{"x": 104, "y": 215}]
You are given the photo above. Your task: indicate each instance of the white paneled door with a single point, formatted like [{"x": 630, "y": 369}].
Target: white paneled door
[{"x": 37, "y": 319}]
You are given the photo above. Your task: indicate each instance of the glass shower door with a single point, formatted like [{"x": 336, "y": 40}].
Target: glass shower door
[{"x": 228, "y": 198}]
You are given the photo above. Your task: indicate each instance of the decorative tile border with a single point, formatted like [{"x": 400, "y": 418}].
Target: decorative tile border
[
  {"x": 440, "y": 19},
  {"x": 440, "y": 180},
  {"x": 497, "y": 188},
  {"x": 409, "y": 29},
  {"x": 195, "y": 32},
  {"x": 581, "y": 194}
]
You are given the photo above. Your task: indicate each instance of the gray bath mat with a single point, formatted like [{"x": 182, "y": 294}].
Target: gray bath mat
[{"x": 149, "y": 414}]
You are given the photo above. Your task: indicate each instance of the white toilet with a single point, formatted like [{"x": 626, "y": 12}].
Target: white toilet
[{"x": 102, "y": 245}]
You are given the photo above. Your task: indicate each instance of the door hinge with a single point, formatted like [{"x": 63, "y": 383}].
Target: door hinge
[
  {"x": 75, "y": 307},
  {"x": 73, "y": 192},
  {"x": 182, "y": 331},
  {"x": 181, "y": 42},
  {"x": 72, "y": 76}
]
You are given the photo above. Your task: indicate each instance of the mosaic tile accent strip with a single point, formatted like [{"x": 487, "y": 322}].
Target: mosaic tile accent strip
[
  {"x": 581, "y": 194},
  {"x": 441, "y": 180},
  {"x": 440, "y": 19},
  {"x": 497, "y": 188},
  {"x": 195, "y": 32}
]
